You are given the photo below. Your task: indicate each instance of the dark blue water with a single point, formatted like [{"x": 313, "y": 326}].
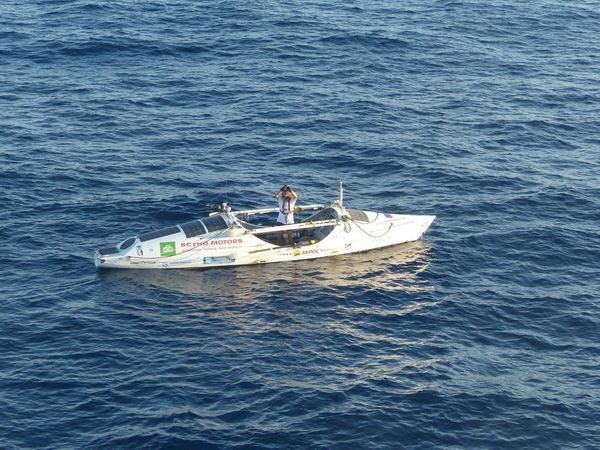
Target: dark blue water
[{"x": 120, "y": 117}]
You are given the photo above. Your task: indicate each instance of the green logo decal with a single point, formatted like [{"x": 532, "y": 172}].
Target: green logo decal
[{"x": 167, "y": 249}]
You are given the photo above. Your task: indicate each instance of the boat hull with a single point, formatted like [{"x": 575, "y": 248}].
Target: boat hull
[{"x": 238, "y": 245}]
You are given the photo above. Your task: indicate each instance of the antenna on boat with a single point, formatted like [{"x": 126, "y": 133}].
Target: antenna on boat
[
  {"x": 224, "y": 206},
  {"x": 341, "y": 193}
]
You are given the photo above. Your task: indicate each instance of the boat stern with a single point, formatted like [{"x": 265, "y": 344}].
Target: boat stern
[{"x": 426, "y": 222}]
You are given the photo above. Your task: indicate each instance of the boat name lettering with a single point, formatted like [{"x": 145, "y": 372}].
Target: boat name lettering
[
  {"x": 213, "y": 242},
  {"x": 310, "y": 252}
]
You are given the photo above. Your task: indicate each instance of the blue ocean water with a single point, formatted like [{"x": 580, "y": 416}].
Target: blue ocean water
[{"x": 120, "y": 117}]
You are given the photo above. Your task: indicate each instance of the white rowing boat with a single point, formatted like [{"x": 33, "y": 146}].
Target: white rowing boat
[{"x": 228, "y": 238}]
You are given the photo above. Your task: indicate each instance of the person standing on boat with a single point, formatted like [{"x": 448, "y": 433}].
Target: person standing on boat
[{"x": 286, "y": 197}]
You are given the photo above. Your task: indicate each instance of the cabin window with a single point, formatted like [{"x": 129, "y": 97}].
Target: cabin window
[
  {"x": 358, "y": 216},
  {"x": 128, "y": 243}
]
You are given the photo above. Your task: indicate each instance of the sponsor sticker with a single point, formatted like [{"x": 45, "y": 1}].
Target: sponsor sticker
[
  {"x": 218, "y": 260},
  {"x": 168, "y": 249}
]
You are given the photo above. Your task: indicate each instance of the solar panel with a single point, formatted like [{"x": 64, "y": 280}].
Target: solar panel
[
  {"x": 158, "y": 234},
  {"x": 193, "y": 228},
  {"x": 214, "y": 223}
]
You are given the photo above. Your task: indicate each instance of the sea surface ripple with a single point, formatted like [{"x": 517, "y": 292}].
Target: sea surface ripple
[{"x": 121, "y": 117}]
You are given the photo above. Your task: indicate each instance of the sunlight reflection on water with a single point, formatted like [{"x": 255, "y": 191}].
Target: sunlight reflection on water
[{"x": 388, "y": 270}]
